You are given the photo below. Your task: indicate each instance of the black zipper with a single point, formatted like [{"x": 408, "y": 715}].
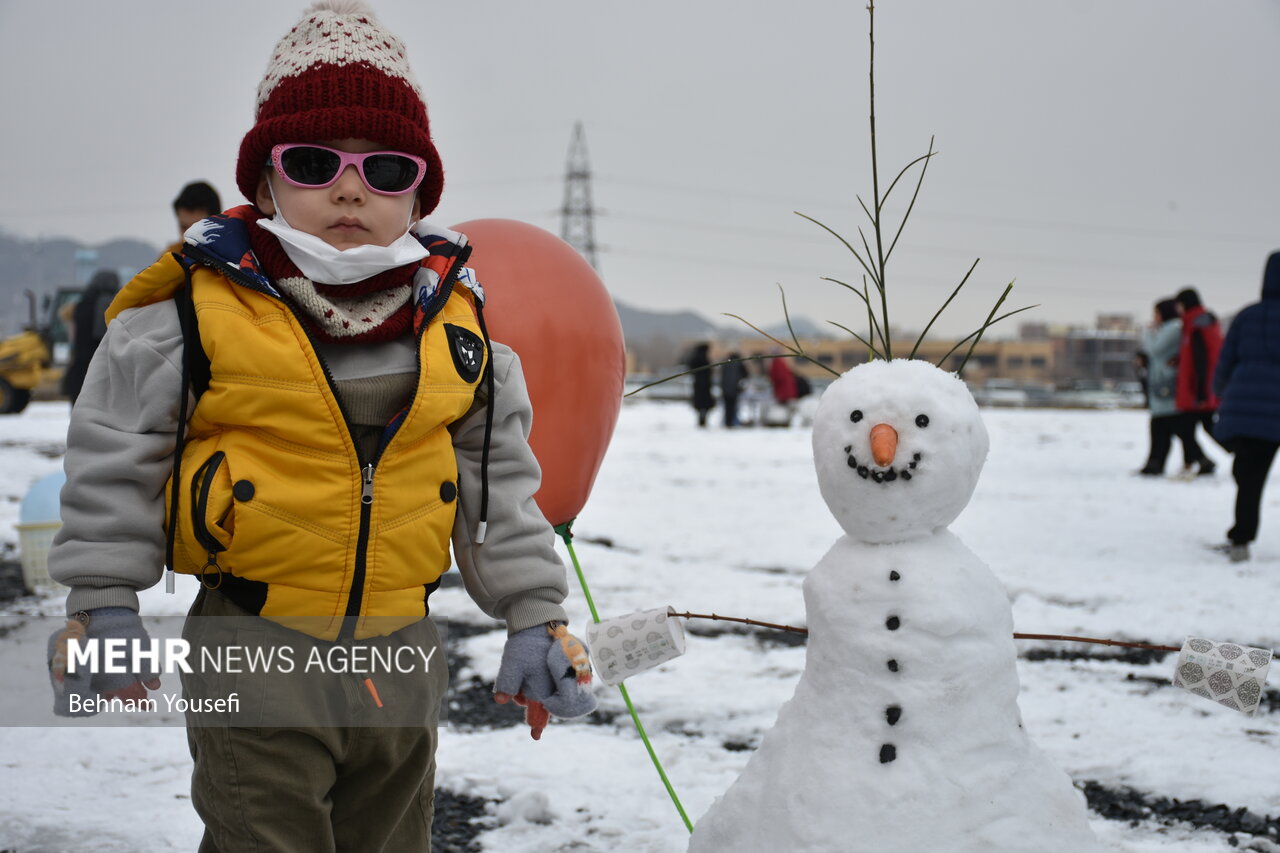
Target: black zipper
[
  {"x": 356, "y": 596},
  {"x": 201, "y": 484}
]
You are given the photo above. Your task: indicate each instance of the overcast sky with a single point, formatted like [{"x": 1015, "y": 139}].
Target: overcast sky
[{"x": 1102, "y": 152}]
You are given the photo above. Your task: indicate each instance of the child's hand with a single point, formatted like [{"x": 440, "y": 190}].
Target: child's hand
[
  {"x": 546, "y": 670},
  {"x": 103, "y": 623}
]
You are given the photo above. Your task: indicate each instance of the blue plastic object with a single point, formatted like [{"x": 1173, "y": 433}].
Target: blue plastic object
[{"x": 42, "y": 505}]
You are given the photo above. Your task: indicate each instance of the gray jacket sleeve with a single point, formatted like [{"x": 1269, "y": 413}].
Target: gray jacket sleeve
[
  {"x": 119, "y": 458},
  {"x": 515, "y": 574}
]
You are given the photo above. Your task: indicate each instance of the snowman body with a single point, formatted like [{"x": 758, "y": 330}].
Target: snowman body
[{"x": 904, "y": 732}]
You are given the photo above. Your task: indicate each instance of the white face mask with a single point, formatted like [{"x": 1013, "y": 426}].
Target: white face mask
[{"x": 325, "y": 264}]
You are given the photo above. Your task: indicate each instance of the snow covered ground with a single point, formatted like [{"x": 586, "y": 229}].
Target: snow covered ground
[{"x": 730, "y": 521}]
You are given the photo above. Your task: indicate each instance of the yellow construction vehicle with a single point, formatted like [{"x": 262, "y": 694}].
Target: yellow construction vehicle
[{"x": 32, "y": 362}]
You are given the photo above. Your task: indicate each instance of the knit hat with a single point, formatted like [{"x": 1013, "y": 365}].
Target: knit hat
[{"x": 339, "y": 75}]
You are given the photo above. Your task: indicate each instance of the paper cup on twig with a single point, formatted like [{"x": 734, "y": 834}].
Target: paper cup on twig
[
  {"x": 1226, "y": 673},
  {"x": 625, "y": 645}
]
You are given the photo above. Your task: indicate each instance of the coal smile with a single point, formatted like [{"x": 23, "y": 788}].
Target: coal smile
[{"x": 882, "y": 475}]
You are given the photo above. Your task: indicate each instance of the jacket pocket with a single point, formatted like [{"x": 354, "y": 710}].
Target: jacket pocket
[{"x": 211, "y": 504}]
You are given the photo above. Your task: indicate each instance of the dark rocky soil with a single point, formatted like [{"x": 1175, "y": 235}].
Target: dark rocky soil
[
  {"x": 459, "y": 820},
  {"x": 1127, "y": 804}
]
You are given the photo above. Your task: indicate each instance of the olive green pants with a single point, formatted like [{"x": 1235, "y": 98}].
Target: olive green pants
[{"x": 311, "y": 760}]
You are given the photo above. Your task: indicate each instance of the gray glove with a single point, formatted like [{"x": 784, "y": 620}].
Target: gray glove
[
  {"x": 102, "y": 623},
  {"x": 545, "y": 669}
]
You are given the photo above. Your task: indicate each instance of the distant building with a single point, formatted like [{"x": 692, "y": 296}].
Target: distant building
[
  {"x": 1023, "y": 360},
  {"x": 1041, "y": 356},
  {"x": 1115, "y": 323},
  {"x": 1033, "y": 332},
  {"x": 1102, "y": 355}
]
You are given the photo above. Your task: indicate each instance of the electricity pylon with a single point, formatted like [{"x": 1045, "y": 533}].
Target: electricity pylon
[{"x": 577, "y": 217}]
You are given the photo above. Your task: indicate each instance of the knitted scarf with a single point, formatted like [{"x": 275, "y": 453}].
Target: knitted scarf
[{"x": 380, "y": 308}]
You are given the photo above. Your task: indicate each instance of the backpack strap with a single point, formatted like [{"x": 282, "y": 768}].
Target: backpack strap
[
  {"x": 195, "y": 375},
  {"x": 195, "y": 359}
]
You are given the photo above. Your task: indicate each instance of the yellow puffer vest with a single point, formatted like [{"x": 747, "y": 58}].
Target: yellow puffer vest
[{"x": 272, "y": 502}]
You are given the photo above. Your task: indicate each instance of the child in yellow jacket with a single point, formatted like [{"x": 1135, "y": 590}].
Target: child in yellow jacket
[{"x": 303, "y": 409}]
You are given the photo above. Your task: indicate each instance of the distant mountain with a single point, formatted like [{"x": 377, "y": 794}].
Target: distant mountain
[
  {"x": 641, "y": 325},
  {"x": 803, "y": 327}
]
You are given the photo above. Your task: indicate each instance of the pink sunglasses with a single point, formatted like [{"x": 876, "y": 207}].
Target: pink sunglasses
[{"x": 316, "y": 167}]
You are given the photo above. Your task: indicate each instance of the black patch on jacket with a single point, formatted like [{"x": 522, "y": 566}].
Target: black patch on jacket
[{"x": 467, "y": 350}]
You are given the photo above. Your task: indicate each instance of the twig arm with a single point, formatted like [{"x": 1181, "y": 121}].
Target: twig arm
[
  {"x": 1102, "y": 642},
  {"x": 718, "y": 618},
  {"x": 1055, "y": 637}
]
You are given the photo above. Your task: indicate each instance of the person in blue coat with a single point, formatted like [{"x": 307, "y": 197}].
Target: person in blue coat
[{"x": 1247, "y": 382}]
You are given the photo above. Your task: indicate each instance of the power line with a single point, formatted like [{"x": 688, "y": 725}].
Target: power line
[
  {"x": 1036, "y": 224},
  {"x": 916, "y": 248},
  {"x": 795, "y": 271}
]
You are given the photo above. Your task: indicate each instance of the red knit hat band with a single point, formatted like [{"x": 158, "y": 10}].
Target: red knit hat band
[{"x": 339, "y": 75}]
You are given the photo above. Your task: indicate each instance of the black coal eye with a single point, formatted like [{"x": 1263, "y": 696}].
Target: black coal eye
[
  {"x": 922, "y": 421},
  {"x": 855, "y": 415}
]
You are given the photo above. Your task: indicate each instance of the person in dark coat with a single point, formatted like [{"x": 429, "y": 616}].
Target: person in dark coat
[
  {"x": 89, "y": 326},
  {"x": 702, "y": 400},
  {"x": 1247, "y": 381},
  {"x": 733, "y": 375},
  {"x": 1197, "y": 360}
]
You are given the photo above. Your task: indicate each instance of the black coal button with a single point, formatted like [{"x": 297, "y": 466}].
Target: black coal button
[
  {"x": 888, "y": 753},
  {"x": 893, "y": 713},
  {"x": 894, "y": 576},
  {"x": 893, "y": 665},
  {"x": 892, "y": 623}
]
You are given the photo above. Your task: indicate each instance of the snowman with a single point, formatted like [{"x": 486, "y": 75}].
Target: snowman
[{"x": 904, "y": 732}]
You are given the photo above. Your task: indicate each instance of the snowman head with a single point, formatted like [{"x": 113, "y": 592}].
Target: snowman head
[{"x": 898, "y": 446}]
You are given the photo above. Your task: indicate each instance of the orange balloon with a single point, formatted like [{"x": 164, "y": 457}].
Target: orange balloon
[{"x": 545, "y": 301}]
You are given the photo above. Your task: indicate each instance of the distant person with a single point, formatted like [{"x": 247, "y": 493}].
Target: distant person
[
  {"x": 783, "y": 380},
  {"x": 1160, "y": 345},
  {"x": 756, "y": 396},
  {"x": 1247, "y": 381},
  {"x": 803, "y": 387},
  {"x": 733, "y": 376},
  {"x": 89, "y": 327},
  {"x": 785, "y": 392},
  {"x": 198, "y": 200},
  {"x": 700, "y": 363},
  {"x": 1197, "y": 359}
]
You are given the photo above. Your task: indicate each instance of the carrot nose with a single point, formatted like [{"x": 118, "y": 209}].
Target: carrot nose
[{"x": 884, "y": 444}]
